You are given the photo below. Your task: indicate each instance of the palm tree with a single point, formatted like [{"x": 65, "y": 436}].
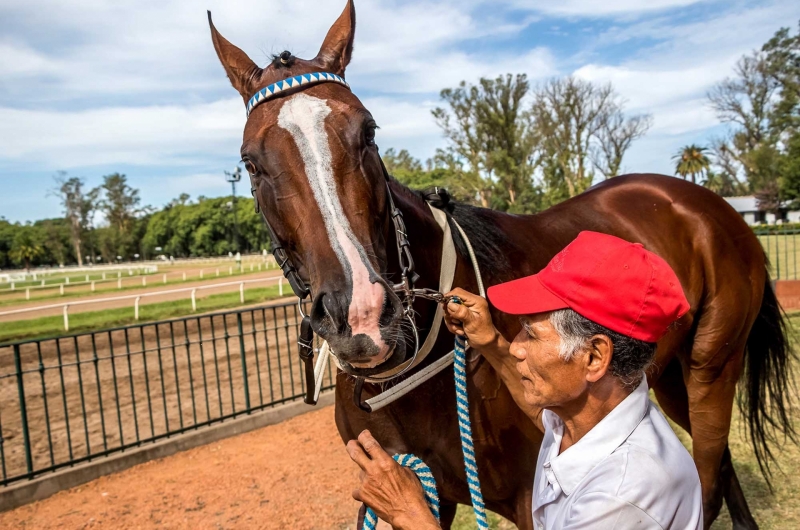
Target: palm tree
[
  {"x": 691, "y": 160},
  {"x": 24, "y": 248}
]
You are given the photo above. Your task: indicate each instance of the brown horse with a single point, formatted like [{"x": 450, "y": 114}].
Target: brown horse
[{"x": 317, "y": 175}]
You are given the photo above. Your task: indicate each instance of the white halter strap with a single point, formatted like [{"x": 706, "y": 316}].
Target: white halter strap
[{"x": 446, "y": 275}]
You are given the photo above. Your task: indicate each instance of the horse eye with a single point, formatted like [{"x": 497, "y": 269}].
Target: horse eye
[
  {"x": 249, "y": 167},
  {"x": 369, "y": 133}
]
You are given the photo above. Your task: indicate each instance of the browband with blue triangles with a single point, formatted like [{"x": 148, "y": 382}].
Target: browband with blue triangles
[{"x": 281, "y": 86}]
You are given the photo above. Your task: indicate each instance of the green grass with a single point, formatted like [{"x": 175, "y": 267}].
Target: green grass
[
  {"x": 777, "y": 510},
  {"x": 96, "y": 320},
  {"x": 110, "y": 286}
]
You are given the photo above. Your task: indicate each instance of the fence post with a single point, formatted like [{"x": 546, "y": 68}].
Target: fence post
[
  {"x": 259, "y": 266},
  {"x": 217, "y": 272},
  {"x": 12, "y": 286},
  {"x": 87, "y": 277},
  {"x": 280, "y": 286},
  {"x": 194, "y": 300},
  {"x": 42, "y": 283},
  {"x": 27, "y": 293},
  {"x": 26, "y": 435},
  {"x": 119, "y": 274},
  {"x": 104, "y": 275},
  {"x": 201, "y": 274},
  {"x": 241, "y": 292},
  {"x": 61, "y": 289},
  {"x": 66, "y": 317},
  {"x": 243, "y": 354},
  {"x": 34, "y": 276},
  {"x": 144, "y": 281},
  {"x": 165, "y": 278},
  {"x": 130, "y": 272},
  {"x": 66, "y": 280},
  {"x": 92, "y": 285},
  {"x": 119, "y": 283},
  {"x": 230, "y": 271},
  {"x": 184, "y": 276},
  {"x": 251, "y": 267},
  {"x": 136, "y": 308}
]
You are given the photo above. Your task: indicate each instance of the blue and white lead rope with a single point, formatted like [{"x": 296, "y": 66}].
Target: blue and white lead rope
[
  {"x": 465, "y": 428},
  {"x": 467, "y": 448}
]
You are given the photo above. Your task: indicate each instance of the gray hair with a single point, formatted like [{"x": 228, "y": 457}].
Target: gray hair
[{"x": 631, "y": 356}]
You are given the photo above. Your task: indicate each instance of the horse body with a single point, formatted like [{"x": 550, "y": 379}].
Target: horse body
[
  {"x": 316, "y": 174},
  {"x": 721, "y": 267}
]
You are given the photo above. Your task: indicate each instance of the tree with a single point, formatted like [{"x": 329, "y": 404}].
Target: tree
[
  {"x": 761, "y": 106},
  {"x": 79, "y": 208},
  {"x": 490, "y": 139},
  {"x": 120, "y": 205},
  {"x": 691, "y": 160},
  {"x": 26, "y": 246},
  {"x": 581, "y": 128}
]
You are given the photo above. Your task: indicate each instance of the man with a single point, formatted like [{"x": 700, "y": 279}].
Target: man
[{"x": 590, "y": 322}]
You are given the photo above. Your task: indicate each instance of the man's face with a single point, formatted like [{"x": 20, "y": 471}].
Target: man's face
[{"x": 548, "y": 380}]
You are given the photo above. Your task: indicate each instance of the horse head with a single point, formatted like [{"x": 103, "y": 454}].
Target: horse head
[{"x": 317, "y": 175}]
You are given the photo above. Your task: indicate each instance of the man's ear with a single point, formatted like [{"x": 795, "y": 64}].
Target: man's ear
[{"x": 598, "y": 358}]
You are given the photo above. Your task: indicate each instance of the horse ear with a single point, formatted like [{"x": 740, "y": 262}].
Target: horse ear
[
  {"x": 241, "y": 70},
  {"x": 337, "y": 49}
]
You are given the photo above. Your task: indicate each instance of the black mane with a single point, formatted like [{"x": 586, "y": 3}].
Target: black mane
[{"x": 491, "y": 245}]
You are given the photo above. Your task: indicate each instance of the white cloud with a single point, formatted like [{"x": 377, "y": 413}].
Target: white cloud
[
  {"x": 594, "y": 8},
  {"x": 164, "y": 135}
]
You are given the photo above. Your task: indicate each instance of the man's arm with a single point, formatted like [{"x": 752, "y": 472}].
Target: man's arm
[{"x": 472, "y": 320}]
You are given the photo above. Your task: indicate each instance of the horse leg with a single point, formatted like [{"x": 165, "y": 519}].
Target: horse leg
[
  {"x": 710, "y": 407},
  {"x": 447, "y": 512},
  {"x": 673, "y": 399},
  {"x": 734, "y": 496}
]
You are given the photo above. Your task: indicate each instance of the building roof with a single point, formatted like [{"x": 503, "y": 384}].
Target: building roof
[{"x": 746, "y": 203}]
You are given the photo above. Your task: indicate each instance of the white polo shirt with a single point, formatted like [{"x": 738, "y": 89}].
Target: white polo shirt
[{"x": 629, "y": 471}]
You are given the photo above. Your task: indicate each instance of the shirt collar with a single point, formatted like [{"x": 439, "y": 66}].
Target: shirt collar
[{"x": 571, "y": 466}]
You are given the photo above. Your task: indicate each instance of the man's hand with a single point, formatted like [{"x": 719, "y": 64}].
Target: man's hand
[
  {"x": 392, "y": 491},
  {"x": 471, "y": 319}
]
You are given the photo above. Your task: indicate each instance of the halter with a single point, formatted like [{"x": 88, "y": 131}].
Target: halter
[
  {"x": 279, "y": 87},
  {"x": 301, "y": 288}
]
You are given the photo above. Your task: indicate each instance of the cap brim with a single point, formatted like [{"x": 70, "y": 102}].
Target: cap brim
[{"x": 525, "y": 296}]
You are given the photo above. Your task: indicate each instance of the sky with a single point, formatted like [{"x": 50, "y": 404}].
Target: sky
[{"x": 93, "y": 87}]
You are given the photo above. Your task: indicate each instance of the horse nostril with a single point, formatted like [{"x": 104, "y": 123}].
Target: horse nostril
[{"x": 328, "y": 305}]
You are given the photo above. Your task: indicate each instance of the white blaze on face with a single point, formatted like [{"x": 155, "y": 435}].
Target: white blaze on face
[{"x": 304, "y": 117}]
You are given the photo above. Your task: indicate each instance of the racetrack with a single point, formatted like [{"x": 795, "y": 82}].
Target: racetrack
[{"x": 152, "y": 288}]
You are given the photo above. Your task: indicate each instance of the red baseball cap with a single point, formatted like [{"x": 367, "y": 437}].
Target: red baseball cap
[{"x": 615, "y": 283}]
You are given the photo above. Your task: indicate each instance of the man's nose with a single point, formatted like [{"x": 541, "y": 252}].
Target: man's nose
[{"x": 517, "y": 351}]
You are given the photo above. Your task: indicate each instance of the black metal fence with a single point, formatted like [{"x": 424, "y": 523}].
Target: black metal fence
[
  {"x": 781, "y": 244},
  {"x": 76, "y": 398}
]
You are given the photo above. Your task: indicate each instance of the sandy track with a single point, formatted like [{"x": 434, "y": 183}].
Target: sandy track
[{"x": 292, "y": 475}]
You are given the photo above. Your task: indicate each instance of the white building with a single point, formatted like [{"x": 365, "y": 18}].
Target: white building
[{"x": 747, "y": 206}]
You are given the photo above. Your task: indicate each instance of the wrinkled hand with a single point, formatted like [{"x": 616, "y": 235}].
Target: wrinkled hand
[
  {"x": 391, "y": 490},
  {"x": 470, "y": 319}
]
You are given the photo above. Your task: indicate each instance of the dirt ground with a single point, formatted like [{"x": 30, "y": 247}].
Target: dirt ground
[
  {"x": 154, "y": 286},
  {"x": 143, "y": 382},
  {"x": 292, "y": 475}
]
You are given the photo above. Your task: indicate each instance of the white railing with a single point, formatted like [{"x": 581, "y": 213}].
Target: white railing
[
  {"x": 87, "y": 281},
  {"x": 137, "y": 297}
]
